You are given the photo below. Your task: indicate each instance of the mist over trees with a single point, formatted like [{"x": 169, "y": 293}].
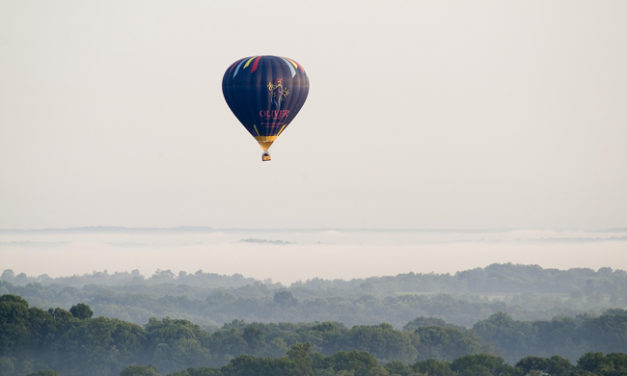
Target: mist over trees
[
  {"x": 500, "y": 320},
  {"x": 525, "y": 292}
]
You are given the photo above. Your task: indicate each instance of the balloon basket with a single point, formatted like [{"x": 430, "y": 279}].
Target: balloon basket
[{"x": 266, "y": 156}]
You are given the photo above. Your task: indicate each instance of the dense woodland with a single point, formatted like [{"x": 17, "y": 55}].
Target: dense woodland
[
  {"x": 75, "y": 342},
  {"x": 525, "y": 292}
]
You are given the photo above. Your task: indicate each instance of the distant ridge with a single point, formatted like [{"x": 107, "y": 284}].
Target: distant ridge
[
  {"x": 301, "y": 229},
  {"x": 110, "y": 229}
]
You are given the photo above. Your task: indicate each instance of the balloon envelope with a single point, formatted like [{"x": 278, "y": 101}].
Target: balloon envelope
[{"x": 265, "y": 93}]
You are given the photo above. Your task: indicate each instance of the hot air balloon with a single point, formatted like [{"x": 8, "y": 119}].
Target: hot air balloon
[{"x": 265, "y": 93}]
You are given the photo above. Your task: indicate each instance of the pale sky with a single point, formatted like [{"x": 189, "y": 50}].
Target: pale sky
[{"x": 421, "y": 114}]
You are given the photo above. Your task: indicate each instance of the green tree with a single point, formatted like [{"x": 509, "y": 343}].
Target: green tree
[
  {"x": 559, "y": 366},
  {"x": 383, "y": 342},
  {"x": 480, "y": 365},
  {"x": 246, "y": 365},
  {"x": 300, "y": 355},
  {"x": 446, "y": 343},
  {"x": 200, "y": 371},
  {"x": 81, "y": 311},
  {"x": 606, "y": 333},
  {"x": 285, "y": 299},
  {"x": 359, "y": 362},
  {"x": 176, "y": 344},
  {"x": 135, "y": 370},
  {"x": 505, "y": 334},
  {"x": 530, "y": 363},
  {"x": 420, "y": 322},
  {"x": 7, "y": 365},
  {"x": 253, "y": 337},
  {"x": 44, "y": 373},
  {"x": 433, "y": 367},
  {"x": 614, "y": 364},
  {"x": 14, "y": 324},
  {"x": 397, "y": 368}
]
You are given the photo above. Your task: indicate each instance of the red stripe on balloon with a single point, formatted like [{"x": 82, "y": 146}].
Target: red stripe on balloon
[
  {"x": 299, "y": 66},
  {"x": 255, "y": 62}
]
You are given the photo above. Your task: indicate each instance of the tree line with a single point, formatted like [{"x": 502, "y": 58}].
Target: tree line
[
  {"x": 74, "y": 342},
  {"x": 526, "y": 292},
  {"x": 301, "y": 361}
]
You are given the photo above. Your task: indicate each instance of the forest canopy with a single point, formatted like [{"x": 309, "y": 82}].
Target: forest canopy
[
  {"x": 526, "y": 292},
  {"x": 76, "y": 343}
]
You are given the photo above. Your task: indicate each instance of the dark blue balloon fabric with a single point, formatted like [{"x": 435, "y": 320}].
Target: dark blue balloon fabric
[{"x": 265, "y": 93}]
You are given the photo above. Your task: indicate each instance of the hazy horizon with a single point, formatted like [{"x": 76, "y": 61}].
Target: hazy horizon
[{"x": 288, "y": 256}]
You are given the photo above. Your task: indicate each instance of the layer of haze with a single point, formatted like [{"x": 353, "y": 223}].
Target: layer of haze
[
  {"x": 421, "y": 114},
  {"x": 289, "y": 256}
]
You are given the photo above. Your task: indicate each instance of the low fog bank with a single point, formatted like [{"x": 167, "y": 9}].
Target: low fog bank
[{"x": 289, "y": 256}]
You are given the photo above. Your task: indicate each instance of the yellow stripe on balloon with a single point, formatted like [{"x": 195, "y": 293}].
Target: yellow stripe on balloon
[
  {"x": 265, "y": 141},
  {"x": 256, "y": 131},
  {"x": 248, "y": 62},
  {"x": 281, "y": 130},
  {"x": 265, "y": 138},
  {"x": 293, "y": 63}
]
